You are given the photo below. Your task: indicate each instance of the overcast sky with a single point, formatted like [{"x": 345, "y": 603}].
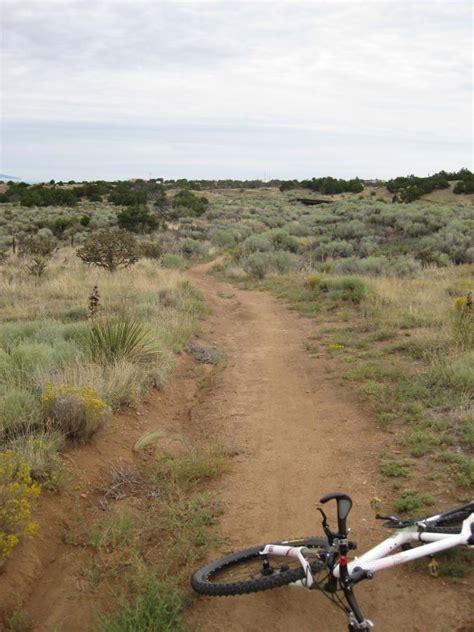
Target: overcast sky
[{"x": 118, "y": 89}]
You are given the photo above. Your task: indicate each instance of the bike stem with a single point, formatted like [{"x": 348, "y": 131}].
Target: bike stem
[{"x": 340, "y": 541}]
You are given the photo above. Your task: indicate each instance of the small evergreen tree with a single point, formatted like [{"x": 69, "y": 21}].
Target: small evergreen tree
[{"x": 109, "y": 249}]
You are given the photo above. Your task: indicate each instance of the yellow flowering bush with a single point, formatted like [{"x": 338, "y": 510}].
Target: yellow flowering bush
[
  {"x": 464, "y": 321},
  {"x": 312, "y": 281},
  {"x": 17, "y": 494},
  {"x": 463, "y": 304},
  {"x": 78, "y": 411}
]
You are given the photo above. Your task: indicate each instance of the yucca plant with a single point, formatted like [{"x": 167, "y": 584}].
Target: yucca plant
[{"x": 122, "y": 339}]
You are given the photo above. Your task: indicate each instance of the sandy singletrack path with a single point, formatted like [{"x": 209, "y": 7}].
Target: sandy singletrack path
[{"x": 299, "y": 434}]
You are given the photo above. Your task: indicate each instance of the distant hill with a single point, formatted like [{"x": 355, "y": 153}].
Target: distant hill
[{"x": 4, "y": 176}]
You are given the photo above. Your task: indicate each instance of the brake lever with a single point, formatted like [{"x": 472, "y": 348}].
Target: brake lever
[
  {"x": 394, "y": 522},
  {"x": 329, "y": 534}
]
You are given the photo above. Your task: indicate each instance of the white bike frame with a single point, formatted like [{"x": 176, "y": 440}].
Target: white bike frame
[{"x": 382, "y": 556}]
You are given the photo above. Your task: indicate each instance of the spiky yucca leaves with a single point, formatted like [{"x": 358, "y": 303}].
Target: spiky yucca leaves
[{"x": 122, "y": 339}]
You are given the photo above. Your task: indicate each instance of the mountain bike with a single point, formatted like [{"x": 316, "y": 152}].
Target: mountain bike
[{"x": 324, "y": 564}]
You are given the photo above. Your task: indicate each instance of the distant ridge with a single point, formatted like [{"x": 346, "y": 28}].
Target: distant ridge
[{"x": 4, "y": 176}]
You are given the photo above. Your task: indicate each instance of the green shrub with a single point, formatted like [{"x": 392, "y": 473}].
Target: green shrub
[
  {"x": 40, "y": 451},
  {"x": 109, "y": 249},
  {"x": 256, "y": 243},
  {"x": 461, "y": 466},
  {"x": 170, "y": 261},
  {"x": 122, "y": 339},
  {"x": 77, "y": 411},
  {"x": 158, "y": 608},
  {"x": 463, "y": 322},
  {"x": 411, "y": 500},
  {"x": 456, "y": 379},
  {"x": 281, "y": 240},
  {"x": 31, "y": 361},
  {"x": 255, "y": 265},
  {"x": 344, "y": 288},
  {"x": 193, "y": 247},
  {"x": 281, "y": 261},
  {"x": 312, "y": 281},
  {"x": 150, "y": 249},
  {"x": 20, "y": 411},
  {"x": 223, "y": 238},
  {"x": 192, "y": 204},
  {"x": 137, "y": 219}
]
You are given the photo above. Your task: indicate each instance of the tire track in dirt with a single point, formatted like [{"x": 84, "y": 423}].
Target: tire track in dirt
[{"x": 299, "y": 434}]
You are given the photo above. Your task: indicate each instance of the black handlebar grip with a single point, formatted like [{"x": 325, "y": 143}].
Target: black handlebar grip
[{"x": 344, "y": 504}]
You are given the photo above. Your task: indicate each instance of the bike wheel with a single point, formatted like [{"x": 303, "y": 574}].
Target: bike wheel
[{"x": 242, "y": 572}]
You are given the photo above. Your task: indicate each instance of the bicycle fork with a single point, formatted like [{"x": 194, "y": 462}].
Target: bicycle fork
[{"x": 292, "y": 551}]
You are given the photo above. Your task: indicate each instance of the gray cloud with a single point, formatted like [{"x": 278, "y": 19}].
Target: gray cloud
[{"x": 287, "y": 74}]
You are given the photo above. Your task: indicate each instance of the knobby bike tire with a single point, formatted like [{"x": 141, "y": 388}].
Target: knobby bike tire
[{"x": 204, "y": 581}]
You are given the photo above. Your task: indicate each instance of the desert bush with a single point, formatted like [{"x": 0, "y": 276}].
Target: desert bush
[
  {"x": 412, "y": 500},
  {"x": 463, "y": 322},
  {"x": 353, "y": 229},
  {"x": 404, "y": 267},
  {"x": 150, "y": 249},
  {"x": 77, "y": 411},
  {"x": 255, "y": 265},
  {"x": 281, "y": 240},
  {"x": 298, "y": 230},
  {"x": 190, "y": 203},
  {"x": 169, "y": 297},
  {"x": 137, "y": 219},
  {"x": 256, "y": 243},
  {"x": 17, "y": 495},
  {"x": 110, "y": 250},
  {"x": 31, "y": 360},
  {"x": 20, "y": 411},
  {"x": 122, "y": 339},
  {"x": 159, "y": 608},
  {"x": 332, "y": 249},
  {"x": 193, "y": 247},
  {"x": 281, "y": 261},
  {"x": 172, "y": 261},
  {"x": 344, "y": 288},
  {"x": 454, "y": 379},
  {"x": 43, "y": 244},
  {"x": 38, "y": 251},
  {"x": 40, "y": 451},
  {"x": 312, "y": 281},
  {"x": 369, "y": 265},
  {"x": 223, "y": 238}
]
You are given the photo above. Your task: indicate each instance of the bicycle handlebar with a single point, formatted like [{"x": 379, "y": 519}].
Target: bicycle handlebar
[{"x": 344, "y": 505}]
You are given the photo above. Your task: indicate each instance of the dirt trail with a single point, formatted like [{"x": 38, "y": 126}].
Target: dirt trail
[{"x": 299, "y": 434}]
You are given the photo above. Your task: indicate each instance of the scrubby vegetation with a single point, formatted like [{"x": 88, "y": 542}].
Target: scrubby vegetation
[
  {"x": 397, "y": 279},
  {"x": 17, "y": 493},
  {"x": 147, "y": 547},
  {"x": 79, "y": 344},
  {"x": 93, "y": 308}
]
